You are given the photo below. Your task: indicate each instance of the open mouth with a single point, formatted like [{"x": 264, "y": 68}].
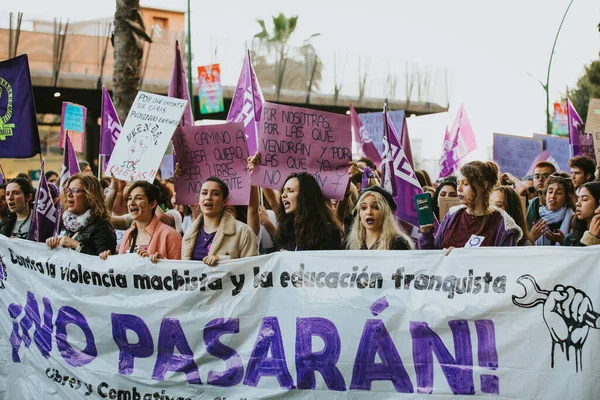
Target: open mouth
[
  {"x": 208, "y": 206},
  {"x": 286, "y": 204},
  {"x": 70, "y": 203},
  {"x": 370, "y": 221}
]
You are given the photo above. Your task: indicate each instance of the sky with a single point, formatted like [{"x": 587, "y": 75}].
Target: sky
[{"x": 494, "y": 52}]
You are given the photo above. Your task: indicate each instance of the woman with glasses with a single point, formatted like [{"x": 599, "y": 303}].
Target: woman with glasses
[
  {"x": 555, "y": 216},
  {"x": 18, "y": 194},
  {"x": 86, "y": 218},
  {"x": 473, "y": 223},
  {"x": 586, "y": 229}
]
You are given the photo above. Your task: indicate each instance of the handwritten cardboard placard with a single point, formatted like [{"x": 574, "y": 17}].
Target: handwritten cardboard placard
[
  {"x": 294, "y": 139},
  {"x": 592, "y": 125},
  {"x": 145, "y": 136},
  {"x": 515, "y": 154},
  {"x": 446, "y": 203},
  {"x": 558, "y": 147},
  {"x": 212, "y": 150},
  {"x": 73, "y": 118}
]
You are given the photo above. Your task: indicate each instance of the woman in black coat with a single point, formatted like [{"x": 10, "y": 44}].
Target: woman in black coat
[{"x": 86, "y": 218}]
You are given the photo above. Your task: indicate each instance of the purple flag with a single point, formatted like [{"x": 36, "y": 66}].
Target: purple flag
[
  {"x": 110, "y": 127},
  {"x": 459, "y": 142},
  {"x": 398, "y": 175},
  {"x": 580, "y": 143},
  {"x": 70, "y": 165},
  {"x": 19, "y": 137},
  {"x": 44, "y": 217},
  {"x": 246, "y": 105},
  {"x": 178, "y": 87},
  {"x": 362, "y": 138}
]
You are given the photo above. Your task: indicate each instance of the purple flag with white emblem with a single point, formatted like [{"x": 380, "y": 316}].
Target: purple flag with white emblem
[
  {"x": 398, "y": 175},
  {"x": 246, "y": 105},
  {"x": 19, "y": 137},
  {"x": 110, "y": 127},
  {"x": 44, "y": 218},
  {"x": 70, "y": 165},
  {"x": 580, "y": 143},
  {"x": 362, "y": 138}
]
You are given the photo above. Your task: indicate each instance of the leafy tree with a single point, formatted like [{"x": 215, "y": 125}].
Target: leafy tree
[{"x": 587, "y": 87}]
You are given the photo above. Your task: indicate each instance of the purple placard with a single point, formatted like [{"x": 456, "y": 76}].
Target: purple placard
[
  {"x": 294, "y": 139},
  {"x": 212, "y": 150}
]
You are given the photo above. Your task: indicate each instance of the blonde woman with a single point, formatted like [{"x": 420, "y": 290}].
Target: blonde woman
[{"x": 375, "y": 227}]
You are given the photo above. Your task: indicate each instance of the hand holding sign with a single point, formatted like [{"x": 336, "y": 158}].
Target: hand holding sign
[{"x": 294, "y": 139}]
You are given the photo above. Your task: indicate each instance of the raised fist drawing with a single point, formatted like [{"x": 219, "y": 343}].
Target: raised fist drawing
[{"x": 567, "y": 311}]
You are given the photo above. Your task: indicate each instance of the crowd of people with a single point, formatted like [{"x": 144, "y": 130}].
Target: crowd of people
[{"x": 492, "y": 209}]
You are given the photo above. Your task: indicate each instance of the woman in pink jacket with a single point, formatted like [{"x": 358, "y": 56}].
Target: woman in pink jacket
[{"x": 148, "y": 237}]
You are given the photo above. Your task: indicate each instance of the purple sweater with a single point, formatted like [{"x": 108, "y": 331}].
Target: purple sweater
[{"x": 508, "y": 232}]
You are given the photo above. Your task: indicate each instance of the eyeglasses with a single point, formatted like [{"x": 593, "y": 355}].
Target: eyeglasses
[
  {"x": 541, "y": 176},
  {"x": 72, "y": 191}
]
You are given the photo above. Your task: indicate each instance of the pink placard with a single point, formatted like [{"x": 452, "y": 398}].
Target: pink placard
[
  {"x": 294, "y": 139},
  {"x": 212, "y": 150}
]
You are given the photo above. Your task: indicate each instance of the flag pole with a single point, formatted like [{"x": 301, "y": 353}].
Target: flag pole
[
  {"x": 4, "y": 177},
  {"x": 99, "y": 166}
]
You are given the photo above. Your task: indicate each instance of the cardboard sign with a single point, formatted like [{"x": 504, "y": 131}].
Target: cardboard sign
[
  {"x": 73, "y": 118},
  {"x": 515, "y": 154},
  {"x": 445, "y": 204},
  {"x": 212, "y": 150},
  {"x": 558, "y": 147},
  {"x": 373, "y": 123},
  {"x": 592, "y": 125},
  {"x": 294, "y": 139},
  {"x": 142, "y": 143},
  {"x": 210, "y": 92}
]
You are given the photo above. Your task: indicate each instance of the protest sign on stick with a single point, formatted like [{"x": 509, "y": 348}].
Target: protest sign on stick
[
  {"x": 592, "y": 125},
  {"x": 294, "y": 139},
  {"x": 558, "y": 147},
  {"x": 73, "y": 120},
  {"x": 150, "y": 124},
  {"x": 212, "y": 150},
  {"x": 515, "y": 154}
]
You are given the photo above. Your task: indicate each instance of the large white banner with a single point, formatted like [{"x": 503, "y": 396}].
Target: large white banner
[
  {"x": 148, "y": 129},
  {"x": 489, "y": 323}
]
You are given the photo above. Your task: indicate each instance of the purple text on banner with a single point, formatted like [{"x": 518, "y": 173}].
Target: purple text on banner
[
  {"x": 294, "y": 139},
  {"x": 212, "y": 150}
]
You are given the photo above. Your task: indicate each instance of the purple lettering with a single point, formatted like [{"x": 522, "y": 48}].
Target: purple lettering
[
  {"x": 487, "y": 355},
  {"x": 171, "y": 337},
  {"x": 235, "y": 368},
  {"x": 307, "y": 361},
  {"x": 68, "y": 315},
  {"x": 43, "y": 333},
  {"x": 376, "y": 340},
  {"x": 144, "y": 347},
  {"x": 269, "y": 338},
  {"x": 458, "y": 372}
]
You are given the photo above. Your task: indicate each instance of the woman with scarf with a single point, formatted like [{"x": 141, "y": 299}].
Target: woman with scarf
[
  {"x": 555, "y": 216},
  {"x": 376, "y": 227},
  {"x": 19, "y": 194},
  {"x": 86, "y": 218},
  {"x": 473, "y": 223},
  {"x": 586, "y": 229}
]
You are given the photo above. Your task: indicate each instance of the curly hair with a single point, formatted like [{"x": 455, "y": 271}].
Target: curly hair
[
  {"x": 482, "y": 176},
  {"x": 390, "y": 227},
  {"x": 94, "y": 196},
  {"x": 313, "y": 214},
  {"x": 565, "y": 181}
]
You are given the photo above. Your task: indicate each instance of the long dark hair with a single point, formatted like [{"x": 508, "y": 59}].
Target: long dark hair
[
  {"x": 151, "y": 191},
  {"x": 580, "y": 226},
  {"x": 434, "y": 201},
  {"x": 312, "y": 216},
  {"x": 483, "y": 175}
]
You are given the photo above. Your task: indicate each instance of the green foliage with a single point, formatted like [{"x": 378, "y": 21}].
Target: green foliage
[{"x": 588, "y": 87}]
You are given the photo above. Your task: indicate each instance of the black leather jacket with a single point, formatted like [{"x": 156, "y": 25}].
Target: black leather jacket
[{"x": 96, "y": 238}]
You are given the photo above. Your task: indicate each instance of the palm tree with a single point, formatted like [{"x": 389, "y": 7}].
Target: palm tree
[
  {"x": 128, "y": 42},
  {"x": 276, "y": 41}
]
